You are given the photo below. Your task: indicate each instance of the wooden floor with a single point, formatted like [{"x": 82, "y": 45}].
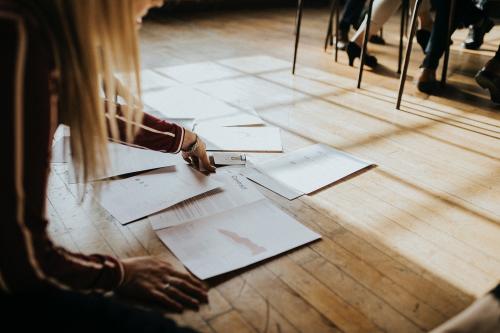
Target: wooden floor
[{"x": 405, "y": 245}]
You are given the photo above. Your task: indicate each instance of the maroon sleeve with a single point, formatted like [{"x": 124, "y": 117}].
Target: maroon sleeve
[
  {"x": 29, "y": 260},
  {"x": 155, "y": 134}
]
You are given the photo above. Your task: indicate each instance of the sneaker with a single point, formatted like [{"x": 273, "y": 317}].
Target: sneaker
[
  {"x": 376, "y": 39},
  {"x": 343, "y": 39},
  {"x": 491, "y": 81},
  {"x": 476, "y": 34}
]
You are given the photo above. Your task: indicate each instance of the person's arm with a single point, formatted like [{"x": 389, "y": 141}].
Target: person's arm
[
  {"x": 29, "y": 260},
  {"x": 153, "y": 133},
  {"x": 160, "y": 135}
]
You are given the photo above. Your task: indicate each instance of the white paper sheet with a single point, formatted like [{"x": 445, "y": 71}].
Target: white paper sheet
[
  {"x": 235, "y": 238},
  {"x": 185, "y": 102},
  {"x": 125, "y": 159},
  {"x": 187, "y": 123},
  {"x": 61, "y": 152},
  {"x": 271, "y": 183},
  {"x": 256, "y": 64},
  {"x": 244, "y": 139},
  {"x": 198, "y": 72},
  {"x": 305, "y": 170},
  {"x": 152, "y": 80},
  {"x": 235, "y": 191},
  {"x": 139, "y": 196}
]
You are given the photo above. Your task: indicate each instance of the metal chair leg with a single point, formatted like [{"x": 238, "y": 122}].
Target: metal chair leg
[
  {"x": 298, "y": 21},
  {"x": 447, "y": 51},
  {"x": 413, "y": 27},
  {"x": 404, "y": 9},
  {"x": 365, "y": 42},
  {"x": 407, "y": 18},
  {"x": 329, "y": 30},
  {"x": 336, "y": 30}
]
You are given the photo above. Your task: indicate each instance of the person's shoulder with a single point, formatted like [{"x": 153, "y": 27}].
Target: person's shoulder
[
  {"x": 24, "y": 21},
  {"x": 17, "y": 10},
  {"x": 25, "y": 13}
]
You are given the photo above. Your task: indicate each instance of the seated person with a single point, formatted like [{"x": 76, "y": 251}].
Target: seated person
[
  {"x": 381, "y": 12},
  {"x": 482, "y": 316},
  {"x": 475, "y": 37},
  {"x": 353, "y": 10},
  {"x": 466, "y": 13},
  {"x": 489, "y": 77}
]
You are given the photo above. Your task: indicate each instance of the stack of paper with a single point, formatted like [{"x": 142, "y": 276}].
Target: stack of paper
[
  {"x": 235, "y": 191},
  {"x": 139, "y": 196},
  {"x": 126, "y": 159},
  {"x": 305, "y": 170},
  {"x": 228, "y": 229}
]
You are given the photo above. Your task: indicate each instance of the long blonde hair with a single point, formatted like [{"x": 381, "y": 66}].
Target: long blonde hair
[{"x": 96, "y": 40}]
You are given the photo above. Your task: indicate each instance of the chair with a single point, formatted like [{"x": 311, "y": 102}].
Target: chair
[
  {"x": 334, "y": 10},
  {"x": 329, "y": 31},
  {"x": 404, "y": 19},
  {"x": 413, "y": 26},
  {"x": 298, "y": 21}
]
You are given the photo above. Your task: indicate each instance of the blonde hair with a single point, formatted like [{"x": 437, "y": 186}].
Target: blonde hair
[{"x": 96, "y": 40}]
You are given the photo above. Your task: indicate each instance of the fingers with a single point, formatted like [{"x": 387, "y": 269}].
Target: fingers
[
  {"x": 203, "y": 156},
  {"x": 186, "y": 157},
  {"x": 196, "y": 161},
  {"x": 199, "y": 159},
  {"x": 192, "y": 160},
  {"x": 190, "y": 279},
  {"x": 205, "y": 162},
  {"x": 166, "y": 301},
  {"x": 181, "y": 297},
  {"x": 190, "y": 289}
]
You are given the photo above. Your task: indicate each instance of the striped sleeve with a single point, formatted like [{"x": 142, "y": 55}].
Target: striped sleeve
[
  {"x": 28, "y": 258},
  {"x": 154, "y": 134}
]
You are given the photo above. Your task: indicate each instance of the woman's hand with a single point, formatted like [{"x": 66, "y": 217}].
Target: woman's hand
[
  {"x": 194, "y": 152},
  {"x": 153, "y": 279}
]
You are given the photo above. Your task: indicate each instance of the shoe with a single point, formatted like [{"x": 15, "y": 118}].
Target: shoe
[
  {"x": 343, "y": 39},
  {"x": 423, "y": 37},
  {"x": 376, "y": 39},
  {"x": 354, "y": 51},
  {"x": 476, "y": 34},
  {"x": 427, "y": 82},
  {"x": 490, "y": 81}
]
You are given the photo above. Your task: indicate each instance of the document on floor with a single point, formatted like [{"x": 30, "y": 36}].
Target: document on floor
[
  {"x": 242, "y": 139},
  {"x": 305, "y": 170},
  {"x": 139, "y": 196},
  {"x": 127, "y": 159},
  {"x": 150, "y": 80},
  {"x": 60, "y": 145},
  {"x": 234, "y": 238},
  {"x": 187, "y": 123},
  {"x": 186, "y": 102},
  {"x": 235, "y": 191},
  {"x": 60, "y": 152}
]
